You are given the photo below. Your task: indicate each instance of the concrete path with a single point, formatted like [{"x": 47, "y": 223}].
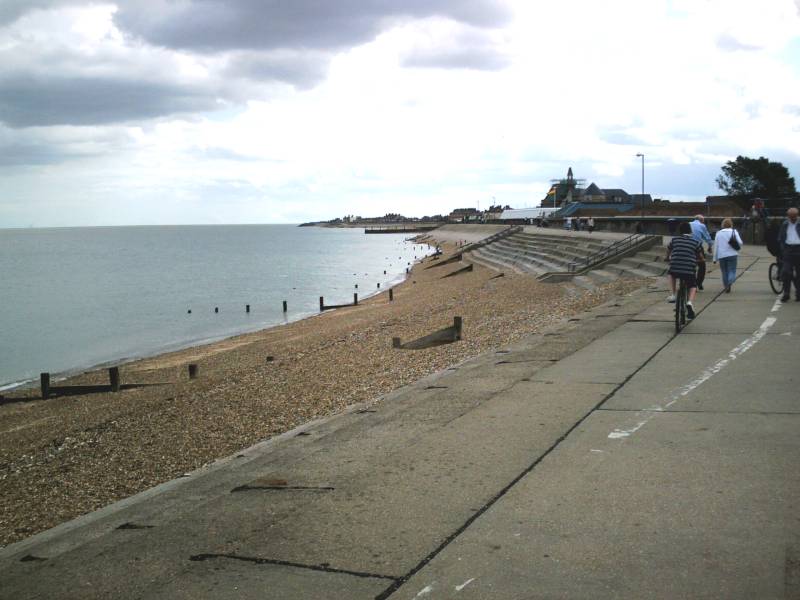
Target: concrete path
[{"x": 606, "y": 458}]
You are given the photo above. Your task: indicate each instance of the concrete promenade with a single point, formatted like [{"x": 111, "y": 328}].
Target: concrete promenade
[{"x": 604, "y": 458}]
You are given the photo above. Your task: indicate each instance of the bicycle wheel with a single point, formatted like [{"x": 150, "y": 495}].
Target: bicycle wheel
[
  {"x": 680, "y": 308},
  {"x": 775, "y": 281}
]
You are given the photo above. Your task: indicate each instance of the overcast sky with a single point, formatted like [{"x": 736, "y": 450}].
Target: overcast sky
[{"x": 265, "y": 111}]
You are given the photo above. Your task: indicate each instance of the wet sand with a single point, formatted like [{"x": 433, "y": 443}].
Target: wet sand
[{"x": 64, "y": 457}]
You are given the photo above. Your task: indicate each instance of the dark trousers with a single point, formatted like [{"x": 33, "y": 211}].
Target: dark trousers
[
  {"x": 701, "y": 272},
  {"x": 791, "y": 270}
]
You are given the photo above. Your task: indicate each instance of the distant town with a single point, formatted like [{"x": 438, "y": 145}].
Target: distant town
[{"x": 567, "y": 197}]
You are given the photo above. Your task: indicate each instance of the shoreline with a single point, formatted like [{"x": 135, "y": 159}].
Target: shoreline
[
  {"x": 171, "y": 347},
  {"x": 72, "y": 454}
]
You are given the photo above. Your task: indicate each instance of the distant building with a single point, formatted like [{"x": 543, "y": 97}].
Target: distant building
[{"x": 464, "y": 215}]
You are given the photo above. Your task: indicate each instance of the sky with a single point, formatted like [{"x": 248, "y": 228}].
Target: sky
[{"x": 280, "y": 111}]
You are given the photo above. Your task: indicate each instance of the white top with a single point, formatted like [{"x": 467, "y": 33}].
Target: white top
[
  {"x": 791, "y": 234},
  {"x": 722, "y": 249}
]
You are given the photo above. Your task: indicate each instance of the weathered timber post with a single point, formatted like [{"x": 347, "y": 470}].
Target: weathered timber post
[
  {"x": 457, "y": 324},
  {"x": 285, "y": 306},
  {"x": 247, "y": 308},
  {"x": 395, "y": 342},
  {"x": 113, "y": 378},
  {"x": 391, "y": 295},
  {"x": 188, "y": 312},
  {"x": 44, "y": 381},
  {"x": 356, "y": 286},
  {"x": 379, "y": 285},
  {"x": 321, "y": 304},
  {"x": 355, "y": 299},
  {"x": 192, "y": 371},
  {"x": 216, "y": 309}
]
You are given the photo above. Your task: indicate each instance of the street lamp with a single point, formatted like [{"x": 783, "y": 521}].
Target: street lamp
[{"x": 642, "y": 155}]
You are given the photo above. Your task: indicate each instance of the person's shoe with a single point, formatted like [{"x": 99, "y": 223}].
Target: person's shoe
[
  {"x": 785, "y": 298},
  {"x": 671, "y": 299},
  {"x": 689, "y": 311},
  {"x": 728, "y": 290},
  {"x": 700, "y": 286}
]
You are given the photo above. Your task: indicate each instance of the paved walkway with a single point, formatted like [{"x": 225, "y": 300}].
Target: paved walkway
[{"x": 606, "y": 458}]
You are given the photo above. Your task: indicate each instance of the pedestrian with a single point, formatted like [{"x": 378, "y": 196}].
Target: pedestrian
[
  {"x": 568, "y": 223},
  {"x": 700, "y": 233},
  {"x": 789, "y": 238},
  {"x": 727, "y": 244},
  {"x": 578, "y": 223},
  {"x": 682, "y": 254},
  {"x": 590, "y": 224}
]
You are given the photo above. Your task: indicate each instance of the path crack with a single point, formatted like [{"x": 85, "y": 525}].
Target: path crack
[{"x": 324, "y": 568}]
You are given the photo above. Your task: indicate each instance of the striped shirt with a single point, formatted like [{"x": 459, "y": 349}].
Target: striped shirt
[{"x": 683, "y": 255}]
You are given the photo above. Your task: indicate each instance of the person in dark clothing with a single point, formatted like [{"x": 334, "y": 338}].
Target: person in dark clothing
[
  {"x": 789, "y": 239},
  {"x": 682, "y": 254}
]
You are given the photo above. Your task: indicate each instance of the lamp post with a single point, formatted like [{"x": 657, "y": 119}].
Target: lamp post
[{"x": 642, "y": 155}]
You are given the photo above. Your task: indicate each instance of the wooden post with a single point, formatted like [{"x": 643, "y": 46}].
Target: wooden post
[
  {"x": 356, "y": 286},
  {"x": 192, "y": 371},
  {"x": 188, "y": 312},
  {"x": 321, "y": 304},
  {"x": 44, "y": 380},
  {"x": 379, "y": 285},
  {"x": 457, "y": 324},
  {"x": 355, "y": 299},
  {"x": 395, "y": 342},
  {"x": 285, "y": 306},
  {"x": 216, "y": 309},
  {"x": 246, "y": 308},
  {"x": 391, "y": 295},
  {"x": 113, "y": 378}
]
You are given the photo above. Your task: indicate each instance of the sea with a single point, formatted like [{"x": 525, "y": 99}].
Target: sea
[{"x": 75, "y": 298}]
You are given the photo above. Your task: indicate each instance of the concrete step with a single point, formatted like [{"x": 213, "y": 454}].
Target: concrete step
[{"x": 602, "y": 276}]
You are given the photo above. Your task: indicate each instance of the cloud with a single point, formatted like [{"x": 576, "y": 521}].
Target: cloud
[
  {"x": 56, "y": 145},
  {"x": 84, "y": 100},
  {"x": 11, "y": 10},
  {"x": 303, "y": 70},
  {"x": 729, "y": 43},
  {"x": 214, "y": 25},
  {"x": 445, "y": 45}
]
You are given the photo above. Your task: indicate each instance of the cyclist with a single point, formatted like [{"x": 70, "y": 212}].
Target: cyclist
[{"x": 682, "y": 253}]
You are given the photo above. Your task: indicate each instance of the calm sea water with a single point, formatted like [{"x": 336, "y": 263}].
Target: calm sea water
[{"x": 78, "y": 297}]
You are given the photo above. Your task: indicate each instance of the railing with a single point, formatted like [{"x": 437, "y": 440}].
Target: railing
[
  {"x": 617, "y": 247},
  {"x": 492, "y": 238}
]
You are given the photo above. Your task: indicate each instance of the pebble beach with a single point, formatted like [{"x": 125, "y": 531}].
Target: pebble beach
[{"x": 63, "y": 457}]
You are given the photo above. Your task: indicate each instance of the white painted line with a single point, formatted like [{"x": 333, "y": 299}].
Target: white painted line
[
  {"x": 465, "y": 584},
  {"x": 424, "y": 591},
  {"x": 707, "y": 374}
]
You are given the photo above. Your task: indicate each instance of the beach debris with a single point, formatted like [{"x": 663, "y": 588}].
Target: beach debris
[{"x": 192, "y": 371}]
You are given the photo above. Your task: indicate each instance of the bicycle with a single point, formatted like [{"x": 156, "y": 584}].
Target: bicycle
[
  {"x": 681, "y": 298},
  {"x": 775, "y": 280}
]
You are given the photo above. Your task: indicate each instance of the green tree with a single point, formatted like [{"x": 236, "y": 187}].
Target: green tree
[{"x": 756, "y": 177}]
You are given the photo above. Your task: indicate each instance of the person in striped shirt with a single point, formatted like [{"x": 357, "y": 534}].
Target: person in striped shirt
[{"x": 683, "y": 253}]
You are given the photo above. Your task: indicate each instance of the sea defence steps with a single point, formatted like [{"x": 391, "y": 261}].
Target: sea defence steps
[{"x": 556, "y": 255}]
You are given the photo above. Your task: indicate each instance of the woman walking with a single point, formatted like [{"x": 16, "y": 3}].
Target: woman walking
[{"x": 727, "y": 244}]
